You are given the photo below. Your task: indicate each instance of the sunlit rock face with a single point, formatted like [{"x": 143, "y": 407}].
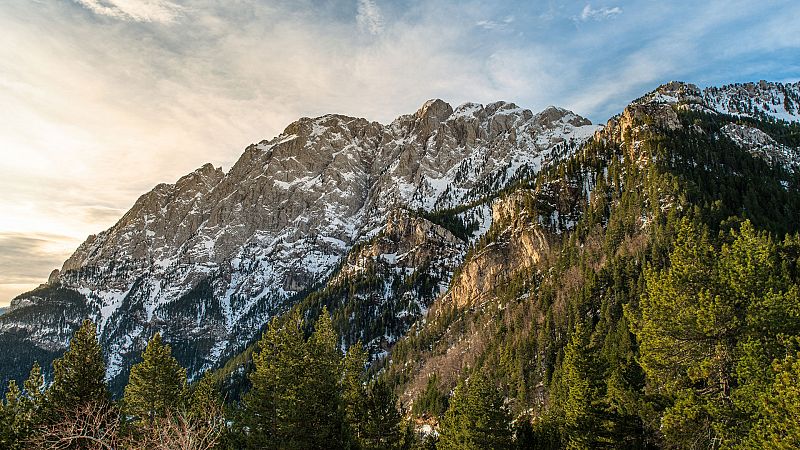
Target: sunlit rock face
[{"x": 208, "y": 260}]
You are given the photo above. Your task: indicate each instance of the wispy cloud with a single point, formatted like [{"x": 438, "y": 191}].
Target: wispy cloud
[
  {"x": 492, "y": 25},
  {"x": 369, "y": 17},
  {"x": 27, "y": 258},
  {"x": 135, "y": 10},
  {"x": 589, "y": 13}
]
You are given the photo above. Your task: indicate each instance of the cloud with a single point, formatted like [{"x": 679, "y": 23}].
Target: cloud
[
  {"x": 369, "y": 17},
  {"x": 134, "y": 10},
  {"x": 492, "y": 25},
  {"x": 589, "y": 13},
  {"x": 26, "y": 259}
]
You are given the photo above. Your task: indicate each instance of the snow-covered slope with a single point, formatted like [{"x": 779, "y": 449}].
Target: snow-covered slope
[
  {"x": 208, "y": 260},
  {"x": 759, "y": 100},
  {"x": 762, "y": 100}
]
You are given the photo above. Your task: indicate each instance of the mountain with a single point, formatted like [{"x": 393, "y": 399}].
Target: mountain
[
  {"x": 557, "y": 302},
  {"x": 209, "y": 260},
  {"x": 633, "y": 285},
  {"x": 763, "y": 100}
]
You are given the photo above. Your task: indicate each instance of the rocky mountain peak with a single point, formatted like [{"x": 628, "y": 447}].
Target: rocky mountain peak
[
  {"x": 217, "y": 254},
  {"x": 552, "y": 114},
  {"x": 201, "y": 180},
  {"x": 429, "y": 116},
  {"x": 435, "y": 110}
]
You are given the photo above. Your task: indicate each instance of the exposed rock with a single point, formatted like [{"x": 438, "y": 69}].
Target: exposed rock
[
  {"x": 761, "y": 145},
  {"x": 209, "y": 259},
  {"x": 521, "y": 246},
  {"x": 53, "y": 278}
]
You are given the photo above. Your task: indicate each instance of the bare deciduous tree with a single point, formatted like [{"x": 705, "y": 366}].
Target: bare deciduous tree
[
  {"x": 94, "y": 425},
  {"x": 98, "y": 426},
  {"x": 179, "y": 431}
]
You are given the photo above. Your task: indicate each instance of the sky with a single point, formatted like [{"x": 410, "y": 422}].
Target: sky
[{"x": 100, "y": 100}]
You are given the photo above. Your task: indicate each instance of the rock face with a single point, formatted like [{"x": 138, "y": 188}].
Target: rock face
[
  {"x": 374, "y": 219},
  {"x": 763, "y": 146},
  {"x": 529, "y": 228},
  {"x": 760, "y": 100},
  {"x": 522, "y": 245},
  {"x": 209, "y": 259}
]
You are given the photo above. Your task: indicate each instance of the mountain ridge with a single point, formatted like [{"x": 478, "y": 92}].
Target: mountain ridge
[
  {"x": 209, "y": 259},
  {"x": 306, "y": 197}
]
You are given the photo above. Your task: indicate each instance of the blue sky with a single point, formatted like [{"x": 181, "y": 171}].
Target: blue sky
[{"x": 102, "y": 99}]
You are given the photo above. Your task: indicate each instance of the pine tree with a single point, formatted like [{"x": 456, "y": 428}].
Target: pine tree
[
  {"x": 9, "y": 414},
  {"x": 79, "y": 375},
  {"x": 321, "y": 397},
  {"x": 383, "y": 428},
  {"x": 476, "y": 418},
  {"x": 34, "y": 386},
  {"x": 431, "y": 400},
  {"x": 578, "y": 391},
  {"x": 156, "y": 387},
  {"x": 454, "y": 431},
  {"x": 272, "y": 408},
  {"x": 354, "y": 393},
  {"x": 710, "y": 324},
  {"x": 21, "y": 412},
  {"x": 204, "y": 399}
]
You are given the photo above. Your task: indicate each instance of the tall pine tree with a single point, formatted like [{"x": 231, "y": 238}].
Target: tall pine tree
[
  {"x": 157, "y": 385},
  {"x": 321, "y": 396},
  {"x": 383, "y": 423},
  {"x": 272, "y": 410},
  {"x": 476, "y": 418},
  {"x": 79, "y": 375}
]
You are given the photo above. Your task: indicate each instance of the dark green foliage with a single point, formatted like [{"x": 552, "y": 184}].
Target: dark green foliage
[
  {"x": 21, "y": 412},
  {"x": 383, "y": 426},
  {"x": 157, "y": 385},
  {"x": 304, "y": 384},
  {"x": 450, "y": 219},
  {"x": 431, "y": 402},
  {"x": 476, "y": 418},
  {"x": 710, "y": 325},
  {"x": 204, "y": 399},
  {"x": 320, "y": 397},
  {"x": 79, "y": 376},
  {"x": 578, "y": 391}
]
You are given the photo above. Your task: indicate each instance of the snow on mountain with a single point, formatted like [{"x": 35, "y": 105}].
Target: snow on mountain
[
  {"x": 762, "y": 145},
  {"x": 207, "y": 261},
  {"x": 763, "y": 99}
]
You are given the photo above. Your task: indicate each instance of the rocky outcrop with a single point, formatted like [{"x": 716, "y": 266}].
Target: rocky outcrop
[
  {"x": 209, "y": 259},
  {"x": 764, "y": 100},
  {"x": 762, "y": 145},
  {"x": 520, "y": 245}
]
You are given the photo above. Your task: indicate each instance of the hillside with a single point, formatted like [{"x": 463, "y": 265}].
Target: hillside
[
  {"x": 209, "y": 260},
  {"x": 576, "y": 328},
  {"x": 633, "y": 285}
]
